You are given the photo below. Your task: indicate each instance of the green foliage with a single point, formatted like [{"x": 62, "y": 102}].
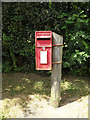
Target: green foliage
[{"x": 21, "y": 20}]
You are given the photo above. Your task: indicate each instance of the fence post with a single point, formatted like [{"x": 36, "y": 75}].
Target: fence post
[{"x": 56, "y": 72}]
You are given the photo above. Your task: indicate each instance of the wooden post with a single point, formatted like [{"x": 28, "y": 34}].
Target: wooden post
[{"x": 56, "y": 70}]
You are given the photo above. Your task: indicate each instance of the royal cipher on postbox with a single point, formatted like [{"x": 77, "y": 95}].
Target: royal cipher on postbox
[{"x": 43, "y": 50}]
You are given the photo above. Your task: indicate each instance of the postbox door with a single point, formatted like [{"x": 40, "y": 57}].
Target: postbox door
[{"x": 43, "y": 50}]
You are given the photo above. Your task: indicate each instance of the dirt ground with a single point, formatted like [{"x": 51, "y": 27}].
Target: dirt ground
[
  {"x": 37, "y": 108},
  {"x": 77, "y": 109},
  {"x": 28, "y": 96}
]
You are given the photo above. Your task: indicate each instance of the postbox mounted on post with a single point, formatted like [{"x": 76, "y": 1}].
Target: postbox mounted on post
[{"x": 43, "y": 50}]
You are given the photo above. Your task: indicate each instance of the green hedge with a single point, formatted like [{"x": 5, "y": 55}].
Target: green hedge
[{"x": 21, "y": 20}]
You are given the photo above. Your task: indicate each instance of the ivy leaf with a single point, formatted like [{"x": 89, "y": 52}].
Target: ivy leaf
[
  {"x": 62, "y": 15},
  {"x": 64, "y": 27}
]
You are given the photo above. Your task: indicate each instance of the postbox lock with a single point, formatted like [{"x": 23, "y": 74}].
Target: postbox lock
[{"x": 43, "y": 48}]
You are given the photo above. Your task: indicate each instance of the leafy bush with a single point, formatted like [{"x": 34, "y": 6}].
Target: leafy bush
[{"x": 21, "y": 20}]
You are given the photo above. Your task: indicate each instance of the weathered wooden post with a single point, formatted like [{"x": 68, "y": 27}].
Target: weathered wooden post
[{"x": 56, "y": 70}]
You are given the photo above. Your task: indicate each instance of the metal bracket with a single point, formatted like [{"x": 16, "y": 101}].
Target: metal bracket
[
  {"x": 42, "y": 46},
  {"x": 56, "y": 62},
  {"x": 58, "y": 45}
]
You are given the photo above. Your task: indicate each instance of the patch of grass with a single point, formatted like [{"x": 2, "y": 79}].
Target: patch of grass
[
  {"x": 15, "y": 84},
  {"x": 73, "y": 87}
]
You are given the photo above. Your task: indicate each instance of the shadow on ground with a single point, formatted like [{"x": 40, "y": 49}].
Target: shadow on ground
[{"x": 16, "y": 85}]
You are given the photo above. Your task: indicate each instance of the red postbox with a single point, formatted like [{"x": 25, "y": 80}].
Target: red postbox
[{"x": 43, "y": 50}]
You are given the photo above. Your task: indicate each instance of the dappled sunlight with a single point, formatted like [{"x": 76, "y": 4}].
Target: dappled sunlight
[
  {"x": 7, "y": 89},
  {"x": 15, "y": 84},
  {"x": 28, "y": 93},
  {"x": 25, "y": 84},
  {"x": 11, "y": 108},
  {"x": 65, "y": 85},
  {"x": 73, "y": 88},
  {"x": 77, "y": 80},
  {"x": 17, "y": 107},
  {"x": 38, "y": 85},
  {"x": 26, "y": 80},
  {"x": 18, "y": 88},
  {"x": 35, "y": 105}
]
